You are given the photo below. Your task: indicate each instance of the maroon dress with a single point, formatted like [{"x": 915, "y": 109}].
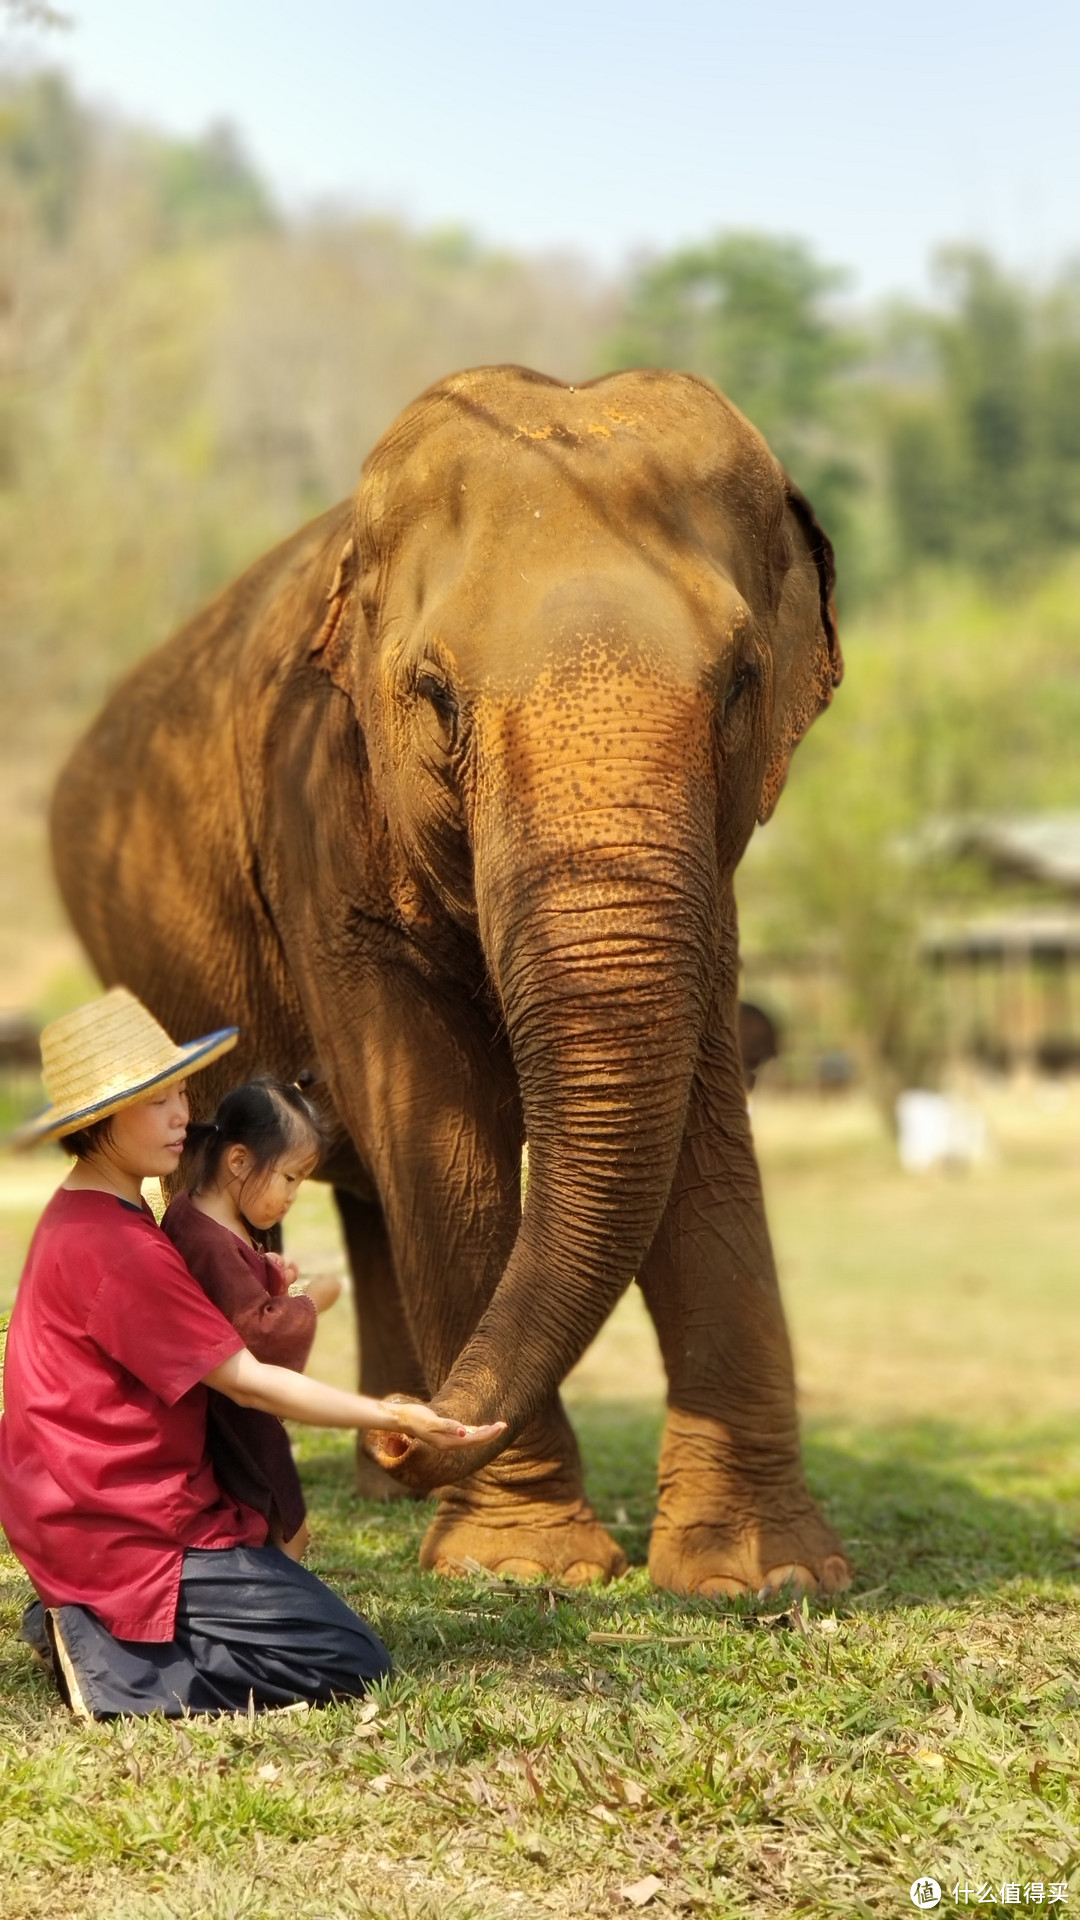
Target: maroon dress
[{"x": 249, "y": 1448}]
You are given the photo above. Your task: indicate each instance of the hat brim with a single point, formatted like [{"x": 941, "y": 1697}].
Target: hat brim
[{"x": 54, "y": 1122}]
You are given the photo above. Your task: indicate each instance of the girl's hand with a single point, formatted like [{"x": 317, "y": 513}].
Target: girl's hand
[
  {"x": 423, "y": 1423},
  {"x": 288, "y": 1269}
]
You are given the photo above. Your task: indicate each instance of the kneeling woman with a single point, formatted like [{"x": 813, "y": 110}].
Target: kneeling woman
[{"x": 160, "y": 1593}]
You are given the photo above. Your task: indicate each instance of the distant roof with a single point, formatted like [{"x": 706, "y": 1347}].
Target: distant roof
[
  {"x": 1038, "y": 936},
  {"x": 1037, "y": 846}
]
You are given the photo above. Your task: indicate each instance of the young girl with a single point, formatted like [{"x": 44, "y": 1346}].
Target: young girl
[
  {"x": 243, "y": 1172},
  {"x": 160, "y": 1592}
]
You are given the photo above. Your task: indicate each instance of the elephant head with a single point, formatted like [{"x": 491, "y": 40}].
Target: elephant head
[{"x": 582, "y": 630}]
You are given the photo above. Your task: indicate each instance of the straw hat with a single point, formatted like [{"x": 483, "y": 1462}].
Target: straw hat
[{"x": 106, "y": 1056}]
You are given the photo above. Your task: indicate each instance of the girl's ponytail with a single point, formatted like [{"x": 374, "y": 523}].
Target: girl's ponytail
[
  {"x": 266, "y": 1116},
  {"x": 198, "y": 1151}
]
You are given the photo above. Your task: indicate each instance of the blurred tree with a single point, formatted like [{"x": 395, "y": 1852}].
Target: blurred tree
[
  {"x": 34, "y": 13},
  {"x": 44, "y": 140},
  {"x": 1056, "y": 413},
  {"x": 207, "y": 189},
  {"x": 924, "y": 481},
  {"x": 186, "y": 376},
  {"x": 984, "y": 454}
]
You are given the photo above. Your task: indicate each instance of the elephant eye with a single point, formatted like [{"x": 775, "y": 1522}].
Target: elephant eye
[
  {"x": 744, "y": 677},
  {"x": 438, "y": 695}
]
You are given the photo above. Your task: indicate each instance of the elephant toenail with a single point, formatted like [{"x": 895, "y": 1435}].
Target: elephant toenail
[
  {"x": 794, "y": 1578},
  {"x": 835, "y": 1574},
  {"x": 722, "y": 1586},
  {"x": 584, "y": 1573}
]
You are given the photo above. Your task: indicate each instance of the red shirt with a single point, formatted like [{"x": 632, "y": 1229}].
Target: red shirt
[{"x": 105, "y": 1477}]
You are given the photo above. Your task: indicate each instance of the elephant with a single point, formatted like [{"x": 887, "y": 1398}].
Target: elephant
[{"x": 441, "y": 804}]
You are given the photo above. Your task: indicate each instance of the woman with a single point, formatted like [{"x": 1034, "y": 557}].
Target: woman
[{"x": 160, "y": 1592}]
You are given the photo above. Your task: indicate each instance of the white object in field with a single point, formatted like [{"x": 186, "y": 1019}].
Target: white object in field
[{"x": 934, "y": 1131}]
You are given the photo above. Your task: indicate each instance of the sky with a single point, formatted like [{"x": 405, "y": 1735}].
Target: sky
[{"x": 876, "y": 132}]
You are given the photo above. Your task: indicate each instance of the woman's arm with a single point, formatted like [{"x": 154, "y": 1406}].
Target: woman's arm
[{"x": 293, "y": 1397}]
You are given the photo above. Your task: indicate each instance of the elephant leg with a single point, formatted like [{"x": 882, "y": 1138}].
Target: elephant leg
[
  {"x": 388, "y": 1359},
  {"x": 735, "y": 1515},
  {"x": 434, "y": 1108}
]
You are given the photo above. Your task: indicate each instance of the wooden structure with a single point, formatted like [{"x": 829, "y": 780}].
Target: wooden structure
[
  {"x": 1010, "y": 978},
  {"x": 1002, "y": 967},
  {"x": 1010, "y": 988}
]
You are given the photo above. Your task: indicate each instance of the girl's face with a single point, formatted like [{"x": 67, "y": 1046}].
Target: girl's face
[
  {"x": 148, "y": 1138},
  {"x": 265, "y": 1198}
]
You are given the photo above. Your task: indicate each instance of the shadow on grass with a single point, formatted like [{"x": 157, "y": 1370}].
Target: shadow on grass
[
  {"x": 931, "y": 1510},
  {"x": 939, "y": 1510}
]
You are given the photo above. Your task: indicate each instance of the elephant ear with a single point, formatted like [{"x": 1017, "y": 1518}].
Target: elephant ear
[
  {"x": 333, "y": 643},
  {"x": 824, "y": 559},
  {"x": 808, "y": 661}
]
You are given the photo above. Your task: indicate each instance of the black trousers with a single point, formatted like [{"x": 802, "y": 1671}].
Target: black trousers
[{"x": 253, "y": 1628}]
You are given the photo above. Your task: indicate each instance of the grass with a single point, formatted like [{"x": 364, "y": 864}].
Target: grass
[{"x": 728, "y": 1762}]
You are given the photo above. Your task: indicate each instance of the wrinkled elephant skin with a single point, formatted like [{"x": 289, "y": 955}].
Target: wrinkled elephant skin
[{"x": 442, "y": 801}]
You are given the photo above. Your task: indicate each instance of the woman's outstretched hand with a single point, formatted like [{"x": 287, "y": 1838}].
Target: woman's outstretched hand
[
  {"x": 292, "y": 1396},
  {"x": 423, "y": 1423}
]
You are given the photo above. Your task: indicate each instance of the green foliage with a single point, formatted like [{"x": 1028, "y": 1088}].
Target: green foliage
[
  {"x": 984, "y": 456},
  {"x": 43, "y": 148},
  {"x": 207, "y": 190},
  {"x": 50, "y": 149},
  {"x": 959, "y": 425},
  {"x": 748, "y": 312}
]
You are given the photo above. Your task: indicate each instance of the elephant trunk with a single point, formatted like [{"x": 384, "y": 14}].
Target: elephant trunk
[
  {"x": 605, "y": 1001},
  {"x": 598, "y": 897}
]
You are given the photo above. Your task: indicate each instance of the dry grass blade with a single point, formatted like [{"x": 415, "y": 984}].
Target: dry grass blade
[{"x": 645, "y": 1639}]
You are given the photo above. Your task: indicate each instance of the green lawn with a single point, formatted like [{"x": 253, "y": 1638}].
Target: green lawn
[{"x": 727, "y": 1762}]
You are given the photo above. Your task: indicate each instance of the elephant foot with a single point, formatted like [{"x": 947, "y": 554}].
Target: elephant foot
[
  {"x": 714, "y": 1563},
  {"x": 373, "y": 1482},
  {"x": 527, "y": 1540},
  {"x": 723, "y": 1531},
  {"x": 525, "y": 1516}
]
